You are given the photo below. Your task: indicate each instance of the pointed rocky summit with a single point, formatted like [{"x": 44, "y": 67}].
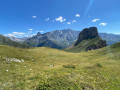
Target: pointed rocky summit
[{"x": 39, "y": 34}]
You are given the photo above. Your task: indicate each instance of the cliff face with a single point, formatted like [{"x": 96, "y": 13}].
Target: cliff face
[
  {"x": 87, "y": 33},
  {"x": 88, "y": 40}
]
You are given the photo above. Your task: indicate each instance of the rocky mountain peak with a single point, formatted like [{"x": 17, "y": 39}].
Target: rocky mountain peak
[
  {"x": 87, "y": 33},
  {"x": 39, "y": 34}
]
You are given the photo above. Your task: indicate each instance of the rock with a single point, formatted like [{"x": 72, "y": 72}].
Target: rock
[
  {"x": 39, "y": 34},
  {"x": 87, "y": 33},
  {"x": 51, "y": 65},
  {"x": 88, "y": 40},
  {"x": 100, "y": 44},
  {"x": 8, "y": 60}
]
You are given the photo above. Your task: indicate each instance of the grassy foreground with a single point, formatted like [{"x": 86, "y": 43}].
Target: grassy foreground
[{"x": 51, "y": 69}]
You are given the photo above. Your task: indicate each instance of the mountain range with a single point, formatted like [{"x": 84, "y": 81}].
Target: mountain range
[
  {"x": 6, "y": 41},
  {"x": 43, "y": 68},
  {"x": 61, "y": 38},
  {"x": 56, "y": 39}
]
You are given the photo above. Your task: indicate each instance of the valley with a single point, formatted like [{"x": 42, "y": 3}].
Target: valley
[
  {"x": 59, "y": 45},
  {"x": 46, "y": 68},
  {"x": 88, "y": 64}
]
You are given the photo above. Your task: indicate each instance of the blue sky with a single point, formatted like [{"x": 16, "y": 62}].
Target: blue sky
[{"x": 26, "y": 17}]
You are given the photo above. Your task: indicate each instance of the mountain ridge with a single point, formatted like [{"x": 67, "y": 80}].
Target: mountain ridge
[
  {"x": 6, "y": 41},
  {"x": 66, "y": 37}
]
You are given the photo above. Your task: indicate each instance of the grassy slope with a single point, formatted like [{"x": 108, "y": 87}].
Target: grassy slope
[
  {"x": 83, "y": 45},
  {"x": 6, "y": 41},
  {"x": 99, "y": 69}
]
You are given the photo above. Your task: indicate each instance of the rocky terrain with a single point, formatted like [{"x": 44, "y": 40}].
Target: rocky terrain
[
  {"x": 87, "y": 33},
  {"x": 58, "y": 39},
  {"x": 88, "y": 39}
]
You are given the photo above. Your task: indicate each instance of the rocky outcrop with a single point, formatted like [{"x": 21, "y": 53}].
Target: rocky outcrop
[
  {"x": 88, "y": 40},
  {"x": 100, "y": 44},
  {"x": 87, "y": 33},
  {"x": 39, "y": 34}
]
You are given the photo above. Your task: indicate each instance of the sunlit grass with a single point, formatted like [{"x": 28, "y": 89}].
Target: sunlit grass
[{"x": 46, "y": 68}]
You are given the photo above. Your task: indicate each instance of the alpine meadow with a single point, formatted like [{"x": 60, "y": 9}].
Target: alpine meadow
[{"x": 59, "y": 45}]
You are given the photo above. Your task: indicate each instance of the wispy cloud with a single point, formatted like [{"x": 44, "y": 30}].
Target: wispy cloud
[
  {"x": 34, "y": 16},
  {"x": 60, "y": 19},
  {"x": 47, "y": 19},
  {"x": 95, "y": 20},
  {"x": 15, "y": 34},
  {"x": 77, "y": 15},
  {"x": 69, "y": 23},
  {"x": 30, "y": 29},
  {"x": 103, "y": 24},
  {"x": 29, "y": 32},
  {"x": 74, "y": 21}
]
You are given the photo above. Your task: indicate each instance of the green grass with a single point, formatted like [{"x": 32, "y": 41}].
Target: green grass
[
  {"x": 83, "y": 45},
  {"x": 6, "y": 41},
  {"x": 51, "y": 69}
]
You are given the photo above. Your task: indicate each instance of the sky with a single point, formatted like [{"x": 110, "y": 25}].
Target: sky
[{"x": 26, "y": 17}]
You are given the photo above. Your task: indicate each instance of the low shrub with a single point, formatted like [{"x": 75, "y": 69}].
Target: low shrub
[{"x": 69, "y": 66}]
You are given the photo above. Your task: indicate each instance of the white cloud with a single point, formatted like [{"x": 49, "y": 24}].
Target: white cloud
[
  {"x": 103, "y": 24},
  {"x": 18, "y": 33},
  {"x": 34, "y": 16},
  {"x": 77, "y": 15},
  {"x": 30, "y": 29},
  {"x": 47, "y": 19},
  {"x": 15, "y": 34},
  {"x": 41, "y": 31},
  {"x": 30, "y": 32},
  {"x": 74, "y": 21},
  {"x": 60, "y": 19},
  {"x": 95, "y": 20},
  {"x": 9, "y": 35},
  {"x": 69, "y": 23}
]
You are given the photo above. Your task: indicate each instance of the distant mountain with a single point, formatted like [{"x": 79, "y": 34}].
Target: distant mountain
[
  {"x": 6, "y": 41},
  {"x": 110, "y": 38},
  {"x": 18, "y": 39},
  {"x": 58, "y": 39},
  {"x": 88, "y": 40},
  {"x": 61, "y": 38},
  {"x": 41, "y": 40}
]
